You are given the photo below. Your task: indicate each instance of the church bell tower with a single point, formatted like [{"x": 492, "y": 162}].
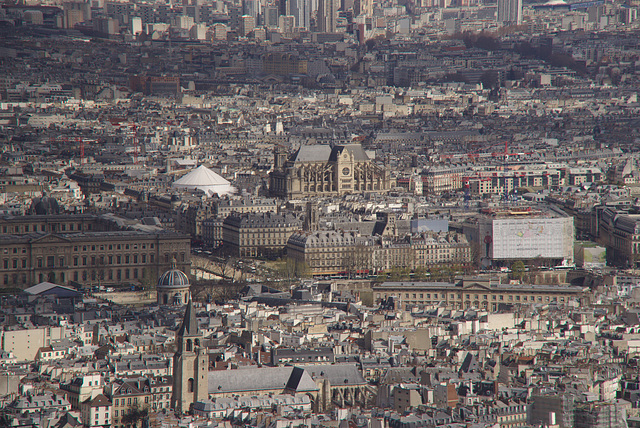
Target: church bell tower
[{"x": 190, "y": 364}]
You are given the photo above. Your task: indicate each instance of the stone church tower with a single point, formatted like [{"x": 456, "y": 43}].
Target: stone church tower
[{"x": 190, "y": 364}]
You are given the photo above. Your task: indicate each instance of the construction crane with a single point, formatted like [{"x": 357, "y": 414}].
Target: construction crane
[{"x": 81, "y": 141}]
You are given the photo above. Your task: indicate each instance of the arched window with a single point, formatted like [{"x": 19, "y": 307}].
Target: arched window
[
  {"x": 196, "y": 342},
  {"x": 190, "y": 385},
  {"x": 189, "y": 345},
  {"x": 166, "y": 299}
]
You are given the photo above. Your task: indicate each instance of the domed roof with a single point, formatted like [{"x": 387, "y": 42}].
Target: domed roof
[
  {"x": 44, "y": 206},
  {"x": 173, "y": 278}
]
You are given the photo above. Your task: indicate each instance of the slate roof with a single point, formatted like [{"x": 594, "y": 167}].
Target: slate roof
[
  {"x": 260, "y": 379},
  {"x": 50, "y": 288},
  {"x": 99, "y": 401},
  {"x": 356, "y": 149},
  {"x": 338, "y": 374},
  {"x": 313, "y": 153},
  {"x": 173, "y": 278},
  {"x": 189, "y": 325}
]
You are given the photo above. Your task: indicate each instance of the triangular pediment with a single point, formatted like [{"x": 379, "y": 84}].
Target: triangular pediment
[
  {"x": 50, "y": 237},
  {"x": 476, "y": 286}
]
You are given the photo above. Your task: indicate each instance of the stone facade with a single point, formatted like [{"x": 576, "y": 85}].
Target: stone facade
[
  {"x": 322, "y": 170},
  {"x": 85, "y": 249},
  {"x": 477, "y": 293},
  {"x": 337, "y": 252},
  {"x": 190, "y": 365},
  {"x": 90, "y": 258},
  {"x": 258, "y": 234}
]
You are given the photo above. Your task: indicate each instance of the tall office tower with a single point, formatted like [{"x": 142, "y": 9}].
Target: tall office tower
[
  {"x": 252, "y": 8},
  {"x": 301, "y": 10},
  {"x": 247, "y": 24},
  {"x": 286, "y": 24},
  {"x": 367, "y": 7},
  {"x": 327, "y": 16},
  {"x": 283, "y": 8},
  {"x": 271, "y": 16},
  {"x": 509, "y": 12}
]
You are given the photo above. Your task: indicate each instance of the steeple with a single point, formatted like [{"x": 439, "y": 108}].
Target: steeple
[
  {"x": 189, "y": 325},
  {"x": 190, "y": 364}
]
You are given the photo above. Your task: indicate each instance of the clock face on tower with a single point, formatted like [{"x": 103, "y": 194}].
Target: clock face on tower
[{"x": 345, "y": 171}]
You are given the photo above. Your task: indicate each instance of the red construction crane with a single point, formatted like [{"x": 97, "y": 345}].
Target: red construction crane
[
  {"x": 81, "y": 141},
  {"x": 506, "y": 153}
]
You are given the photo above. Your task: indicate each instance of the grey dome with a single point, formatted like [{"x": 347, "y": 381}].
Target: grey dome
[
  {"x": 44, "y": 206},
  {"x": 173, "y": 278}
]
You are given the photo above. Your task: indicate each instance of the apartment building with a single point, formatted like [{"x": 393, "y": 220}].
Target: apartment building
[
  {"x": 335, "y": 252},
  {"x": 258, "y": 234}
]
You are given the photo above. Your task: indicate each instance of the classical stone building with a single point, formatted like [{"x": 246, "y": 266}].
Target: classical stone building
[
  {"x": 323, "y": 170},
  {"x": 620, "y": 234},
  {"x": 331, "y": 252},
  {"x": 90, "y": 258},
  {"x": 85, "y": 249},
  {"x": 190, "y": 364},
  {"x": 258, "y": 234},
  {"x": 480, "y": 293}
]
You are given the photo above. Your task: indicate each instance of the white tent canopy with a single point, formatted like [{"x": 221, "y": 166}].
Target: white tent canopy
[{"x": 202, "y": 178}]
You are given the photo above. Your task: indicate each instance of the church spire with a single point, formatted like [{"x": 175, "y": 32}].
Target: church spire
[{"x": 189, "y": 325}]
